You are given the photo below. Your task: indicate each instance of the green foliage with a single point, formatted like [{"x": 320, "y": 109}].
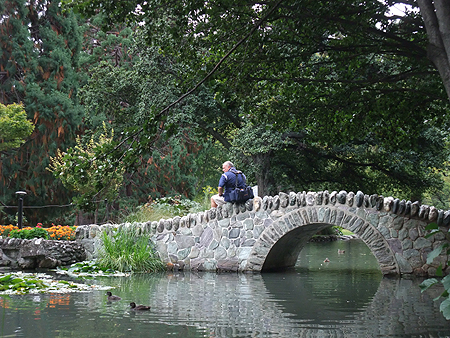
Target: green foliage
[
  {"x": 29, "y": 233},
  {"x": 14, "y": 126},
  {"x": 86, "y": 267},
  {"x": 344, "y": 92},
  {"x": 440, "y": 197},
  {"x": 39, "y": 59},
  {"x": 445, "y": 281},
  {"x": 172, "y": 167},
  {"x": 127, "y": 249},
  {"x": 165, "y": 207},
  {"x": 330, "y": 231},
  {"x": 204, "y": 198},
  {"x": 23, "y": 283},
  {"x": 112, "y": 47},
  {"x": 85, "y": 170},
  {"x": 20, "y": 285},
  {"x": 173, "y": 159},
  {"x": 176, "y": 205}
]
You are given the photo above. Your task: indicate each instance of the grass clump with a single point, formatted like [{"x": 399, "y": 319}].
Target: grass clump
[{"x": 126, "y": 249}]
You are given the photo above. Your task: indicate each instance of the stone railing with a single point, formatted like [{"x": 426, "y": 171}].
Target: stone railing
[{"x": 266, "y": 231}]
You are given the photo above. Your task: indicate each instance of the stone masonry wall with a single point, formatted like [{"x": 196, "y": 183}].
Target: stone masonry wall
[
  {"x": 39, "y": 253},
  {"x": 238, "y": 237}
]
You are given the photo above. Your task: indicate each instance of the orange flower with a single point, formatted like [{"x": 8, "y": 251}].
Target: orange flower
[{"x": 62, "y": 232}]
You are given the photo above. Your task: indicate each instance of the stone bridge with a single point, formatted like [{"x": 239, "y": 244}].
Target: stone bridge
[{"x": 268, "y": 233}]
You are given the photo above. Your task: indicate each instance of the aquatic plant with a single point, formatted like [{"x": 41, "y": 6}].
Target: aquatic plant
[
  {"x": 127, "y": 249},
  {"x": 86, "y": 267},
  {"x": 23, "y": 283}
]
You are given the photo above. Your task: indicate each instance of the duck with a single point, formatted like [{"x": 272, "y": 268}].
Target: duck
[
  {"x": 112, "y": 297},
  {"x": 326, "y": 260},
  {"x": 138, "y": 307},
  {"x": 340, "y": 252}
]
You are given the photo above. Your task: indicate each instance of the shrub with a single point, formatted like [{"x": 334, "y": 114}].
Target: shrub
[
  {"x": 165, "y": 207},
  {"x": 445, "y": 281},
  {"x": 29, "y": 233},
  {"x": 204, "y": 198}
]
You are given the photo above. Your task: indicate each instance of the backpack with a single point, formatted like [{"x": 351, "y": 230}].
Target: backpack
[{"x": 240, "y": 195}]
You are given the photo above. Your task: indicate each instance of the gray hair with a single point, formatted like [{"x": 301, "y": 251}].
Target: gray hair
[{"x": 228, "y": 164}]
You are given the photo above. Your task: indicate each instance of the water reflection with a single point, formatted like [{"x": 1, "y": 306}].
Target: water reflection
[
  {"x": 312, "y": 298},
  {"x": 311, "y": 301}
]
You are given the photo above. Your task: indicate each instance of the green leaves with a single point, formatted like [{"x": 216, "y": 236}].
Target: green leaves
[
  {"x": 86, "y": 267},
  {"x": 14, "y": 126},
  {"x": 436, "y": 252},
  {"x": 89, "y": 170},
  {"x": 40, "y": 50},
  {"x": 127, "y": 249},
  {"x": 445, "y": 308},
  {"x": 352, "y": 80},
  {"x": 426, "y": 284},
  {"x": 29, "y": 233},
  {"x": 22, "y": 285}
]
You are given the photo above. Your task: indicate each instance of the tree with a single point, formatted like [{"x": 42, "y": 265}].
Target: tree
[
  {"x": 348, "y": 85},
  {"x": 40, "y": 49},
  {"x": 86, "y": 171},
  {"x": 435, "y": 14},
  {"x": 195, "y": 18},
  {"x": 171, "y": 157},
  {"x": 14, "y": 126}
]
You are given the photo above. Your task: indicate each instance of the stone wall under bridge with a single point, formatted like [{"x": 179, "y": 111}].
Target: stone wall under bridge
[{"x": 269, "y": 233}]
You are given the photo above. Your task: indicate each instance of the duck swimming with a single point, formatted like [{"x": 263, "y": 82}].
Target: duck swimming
[
  {"x": 138, "y": 307},
  {"x": 112, "y": 297}
]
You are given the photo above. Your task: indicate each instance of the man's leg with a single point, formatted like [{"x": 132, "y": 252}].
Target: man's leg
[{"x": 217, "y": 200}]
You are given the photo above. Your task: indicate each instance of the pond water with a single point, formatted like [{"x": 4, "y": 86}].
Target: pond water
[{"x": 345, "y": 297}]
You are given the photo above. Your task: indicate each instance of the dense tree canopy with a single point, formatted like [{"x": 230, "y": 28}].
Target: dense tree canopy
[
  {"x": 169, "y": 156},
  {"x": 345, "y": 88},
  {"x": 302, "y": 94},
  {"x": 39, "y": 54}
]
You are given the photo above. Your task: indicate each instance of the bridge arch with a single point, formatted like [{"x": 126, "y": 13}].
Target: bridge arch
[
  {"x": 281, "y": 242},
  {"x": 268, "y": 233}
]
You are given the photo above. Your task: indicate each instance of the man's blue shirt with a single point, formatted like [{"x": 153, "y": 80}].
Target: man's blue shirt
[{"x": 227, "y": 181}]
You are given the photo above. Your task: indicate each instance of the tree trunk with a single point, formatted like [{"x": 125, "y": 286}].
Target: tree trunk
[
  {"x": 264, "y": 178},
  {"x": 96, "y": 215},
  {"x": 436, "y": 17}
]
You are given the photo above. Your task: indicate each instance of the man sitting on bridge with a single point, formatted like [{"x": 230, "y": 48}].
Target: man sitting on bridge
[{"x": 227, "y": 183}]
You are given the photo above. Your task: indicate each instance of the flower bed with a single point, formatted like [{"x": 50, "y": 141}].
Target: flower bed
[{"x": 55, "y": 232}]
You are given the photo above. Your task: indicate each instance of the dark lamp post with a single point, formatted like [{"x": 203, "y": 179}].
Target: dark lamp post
[{"x": 21, "y": 194}]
